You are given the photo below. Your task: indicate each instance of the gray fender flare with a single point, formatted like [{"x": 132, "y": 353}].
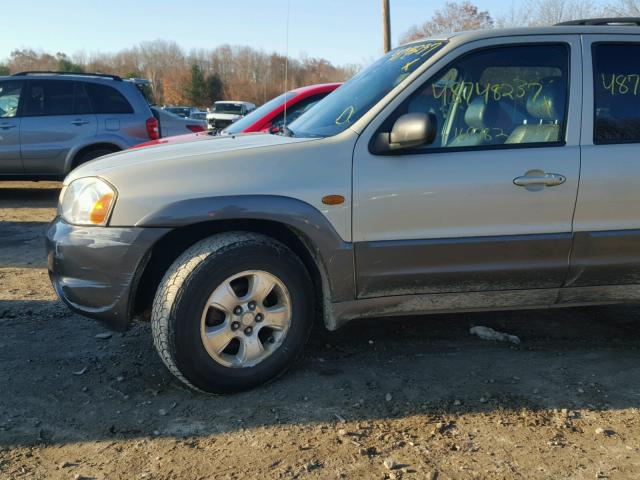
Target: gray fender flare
[{"x": 334, "y": 256}]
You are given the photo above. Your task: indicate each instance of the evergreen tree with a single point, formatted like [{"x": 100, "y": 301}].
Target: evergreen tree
[
  {"x": 66, "y": 65},
  {"x": 196, "y": 89},
  {"x": 214, "y": 88}
]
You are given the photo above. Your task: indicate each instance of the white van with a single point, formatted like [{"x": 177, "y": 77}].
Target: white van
[{"x": 224, "y": 113}]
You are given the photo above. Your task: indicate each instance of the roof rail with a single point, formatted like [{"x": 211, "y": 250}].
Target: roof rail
[
  {"x": 79, "y": 74},
  {"x": 138, "y": 81},
  {"x": 613, "y": 21}
]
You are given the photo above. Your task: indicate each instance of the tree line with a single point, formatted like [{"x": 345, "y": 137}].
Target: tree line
[{"x": 199, "y": 77}]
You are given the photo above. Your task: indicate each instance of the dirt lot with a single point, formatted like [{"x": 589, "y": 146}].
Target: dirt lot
[{"x": 405, "y": 398}]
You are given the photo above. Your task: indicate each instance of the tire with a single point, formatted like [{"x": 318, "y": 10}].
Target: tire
[
  {"x": 92, "y": 155},
  {"x": 180, "y": 316}
]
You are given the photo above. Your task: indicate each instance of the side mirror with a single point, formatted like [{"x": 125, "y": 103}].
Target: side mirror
[{"x": 410, "y": 130}]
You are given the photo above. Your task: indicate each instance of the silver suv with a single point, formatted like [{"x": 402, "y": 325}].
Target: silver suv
[
  {"x": 52, "y": 122},
  {"x": 485, "y": 170}
]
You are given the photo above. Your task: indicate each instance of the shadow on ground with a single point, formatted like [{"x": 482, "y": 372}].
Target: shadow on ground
[
  {"x": 29, "y": 194},
  {"x": 61, "y": 384}
]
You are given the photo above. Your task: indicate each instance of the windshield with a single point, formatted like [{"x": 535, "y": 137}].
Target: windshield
[
  {"x": 257, "y": 114},
  {"x": 352, "y": 100},
  {"x": 233, "y": 108}
]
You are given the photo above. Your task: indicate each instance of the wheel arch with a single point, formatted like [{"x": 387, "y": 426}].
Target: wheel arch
[
  {"x": 77, "y": 154},
  {"x": 296, "y": 224}
]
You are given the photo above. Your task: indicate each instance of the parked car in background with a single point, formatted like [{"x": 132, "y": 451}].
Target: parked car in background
[
  {"x": 271, "y": 115},
  {"x": 199, "y": 116},
  {"x": 184, "y": 112},
  {"x": 266, "y": 118},
  {"x": 224, "y": 113},
  {"x": 173, "y": 125},
  {"x": 51, "y": 122}
]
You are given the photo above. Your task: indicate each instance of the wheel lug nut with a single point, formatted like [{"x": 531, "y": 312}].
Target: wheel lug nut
[
  {"x": 252, "y": 305},
  {"x": 259, "y": 317},
  {"x": 272, "y": 340},
  {"x": 235, "y": 325},
  {"x": 237, "y": 310},
  {"x": 248, "y": 331}
]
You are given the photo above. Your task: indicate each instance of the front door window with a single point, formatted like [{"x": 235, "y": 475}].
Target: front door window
[
  {"x": 501, "y": 96},
  {"x": 9, "y": 98}
]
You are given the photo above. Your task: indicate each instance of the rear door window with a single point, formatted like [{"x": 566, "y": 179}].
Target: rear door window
[
  {"x": 616, "y": 69},
  {"x": 81, "y": 102},
  {"x": 56, "y": 97},
  {"x": 107, "y": 100},
  {"x": 49, "y": 97}
]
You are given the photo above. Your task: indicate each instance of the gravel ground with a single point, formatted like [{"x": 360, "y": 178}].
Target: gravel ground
[{"x": 405, "y": 397}]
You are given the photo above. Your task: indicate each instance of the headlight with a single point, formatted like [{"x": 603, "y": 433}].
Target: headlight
[{"x": 87, "y": 201}]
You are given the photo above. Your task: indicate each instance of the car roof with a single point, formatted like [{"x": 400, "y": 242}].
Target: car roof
[
  {"x": 105, "y": 79},
  {"x": 319, "y": 87},
  {"x": 63, "y": 76},
  {"x": 473, "y": 35}
]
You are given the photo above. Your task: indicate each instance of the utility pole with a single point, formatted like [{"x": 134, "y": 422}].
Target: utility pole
[{"x": 386, "y": 26}]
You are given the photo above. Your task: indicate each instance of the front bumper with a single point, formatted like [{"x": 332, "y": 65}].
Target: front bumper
[
  {"x": 218, "y": 124},
  {"x": 95, "y": 270}
]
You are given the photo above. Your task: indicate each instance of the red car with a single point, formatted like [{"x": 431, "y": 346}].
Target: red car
[{"x": 267, "y": 118}]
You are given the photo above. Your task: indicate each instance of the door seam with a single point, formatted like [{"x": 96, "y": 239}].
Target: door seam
[{"x": 575, "y": 204}]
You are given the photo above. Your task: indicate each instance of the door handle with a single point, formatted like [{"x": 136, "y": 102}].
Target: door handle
[
  {"x": 79, "y": 122},
  {"x": 7, "y": 126},
  {"x": 538, "y": 177}
]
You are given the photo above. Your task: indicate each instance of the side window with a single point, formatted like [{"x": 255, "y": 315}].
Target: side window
[
  {"x": 9, "y": 98},
  {"x": 616, "y": 69},
  {"x": 106, "y": 99},
  {"x": 498, "y": 96},
  {"x": 81, "y": 103},
  {"x": 49, "y": 97},
  {"x": 297, "y": 110}
]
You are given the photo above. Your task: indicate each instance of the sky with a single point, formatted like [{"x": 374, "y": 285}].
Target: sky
[{"x": 342, "y": 31}]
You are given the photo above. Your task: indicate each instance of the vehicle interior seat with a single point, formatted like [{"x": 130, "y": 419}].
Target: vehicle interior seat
[
  {"x": 547, "y": 109},
  {"x": 478, "y": 117}
]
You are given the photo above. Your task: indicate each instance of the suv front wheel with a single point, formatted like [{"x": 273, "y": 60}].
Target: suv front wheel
[
  {"x": 232, "y": 312},
  {"x": 92, "y": 155}
]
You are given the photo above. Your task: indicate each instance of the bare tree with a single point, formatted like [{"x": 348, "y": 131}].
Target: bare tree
[
  {"x": 27, "y": 59},
  {"x": 241, "y": 73},
  {"x": 453, "y": 17},
  {"x": 534, "y": 13},
  {"x": 157, "y": 58},
  {"x": 624, "y": 8}
]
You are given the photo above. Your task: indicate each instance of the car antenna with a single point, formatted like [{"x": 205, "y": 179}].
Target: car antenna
[{"x": 286, "y": 69}]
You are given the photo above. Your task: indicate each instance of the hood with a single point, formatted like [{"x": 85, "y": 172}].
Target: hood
[
  {"x": 207, "y": 148},
  {"x": 147, "y": 180},
  {"x": 224, "y": 116},
  {"x": 188, "y": 137}
]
